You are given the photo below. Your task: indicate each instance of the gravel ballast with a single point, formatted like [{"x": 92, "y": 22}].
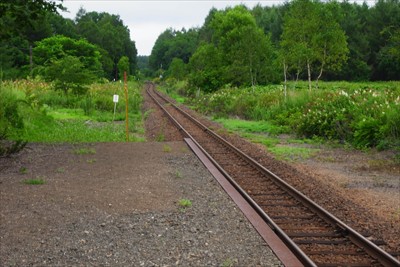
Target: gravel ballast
[{"x": 119, "y": 207}]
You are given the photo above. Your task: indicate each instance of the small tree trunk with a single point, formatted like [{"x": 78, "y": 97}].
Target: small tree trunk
[
  {"x": 297, "y": 77},
  {"x": 322, "y": 68},
  {"x": 285, "y": 67},
  {"x": 309, "y": 74},
  {"x": 319, "y": 76},
  {"x": 30, "y": 59}
]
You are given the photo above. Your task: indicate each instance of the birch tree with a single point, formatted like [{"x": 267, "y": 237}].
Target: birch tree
[{"x": 313, "y": 38}]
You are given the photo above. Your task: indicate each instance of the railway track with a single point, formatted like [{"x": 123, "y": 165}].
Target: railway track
[{"x": 315, "y": 236}]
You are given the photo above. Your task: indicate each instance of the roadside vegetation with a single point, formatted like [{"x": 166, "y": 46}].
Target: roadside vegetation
[
  {"x": 361, "y": 115},
  {"x": 314, "y": 70},
  {"x": 35, "y": 112},
  {"x": 275, "y": 66}
]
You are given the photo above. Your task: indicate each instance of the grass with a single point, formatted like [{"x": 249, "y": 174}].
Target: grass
[
  {"x": 85, "y": 151},
  {"x": 185, "y": 203},
  {"x": 23, "y": 170},
  {"x": 167, "y": 148},
  {"x": 292, "y": 153},
  {"x": 52, "y": 117},
  {"x": 363, "y": 114},
  {"x": 160, "y": 137},
  {"x": 178, "y": 174},
  {"x": 228, "y": 263},
  {"x": 266, "y": 134},
  {"x": 251, "y": 126},
  {"x": 37, "y": 181}
]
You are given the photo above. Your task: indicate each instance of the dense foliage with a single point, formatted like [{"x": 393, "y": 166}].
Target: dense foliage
[
  {"x": 362, "y": 114},
  {"x": 301, "y": 39},
  {"x": 31, "y": 110},
  {"x": 26, "y": 24}
]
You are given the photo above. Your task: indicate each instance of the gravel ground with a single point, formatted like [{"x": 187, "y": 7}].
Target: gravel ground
[{"x": 118, "y": 207}]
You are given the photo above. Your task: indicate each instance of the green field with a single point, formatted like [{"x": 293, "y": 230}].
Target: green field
[{"x": 34, "y": 112}]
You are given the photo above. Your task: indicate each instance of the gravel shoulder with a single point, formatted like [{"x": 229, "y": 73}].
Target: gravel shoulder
[{"x": 119, "y": 207}]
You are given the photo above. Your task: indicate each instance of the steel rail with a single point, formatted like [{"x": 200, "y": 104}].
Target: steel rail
[
  {"x": 372, "y": 249},
  {"x": 287, "y": 240}
]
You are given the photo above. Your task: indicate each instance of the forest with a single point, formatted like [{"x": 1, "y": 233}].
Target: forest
[
  {"x": 301, "y": 39},
  {"x": 325, "y": 70},
  {"x": 37, "y": 40}
]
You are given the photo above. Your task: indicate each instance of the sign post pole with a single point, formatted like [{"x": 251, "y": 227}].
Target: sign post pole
[
  {"x": 115, "y": 100},
  {"x": 126, "y": 107}
]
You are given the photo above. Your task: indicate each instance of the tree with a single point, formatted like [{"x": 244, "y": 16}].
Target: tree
[
  {"x": 68, "y": 62},
  {"x": 108, "y": 32},
  {"x": 123, "y": 66},
  {"x": 312, "y": 37},
  {"x": 173, "y": 44},
  {"x": 18, "y": 16},
  {"x": 353, "y": 20},
  {"x": 59, "y": 46},
  {"x": 206, "y": 68},
  {"x": 383, "y": 22},
  {"x": 177, "y": 69},
  {"x": 69, "y": 74},
  {"x": 329, "y": 43},
  {"x": 247, "y": 51},
  {"x": 22, "y": 22}
]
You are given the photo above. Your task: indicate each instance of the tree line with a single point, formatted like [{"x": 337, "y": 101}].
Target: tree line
[
  {"x": 301, "y": 39},
  {"x": 37, "y": 40}
]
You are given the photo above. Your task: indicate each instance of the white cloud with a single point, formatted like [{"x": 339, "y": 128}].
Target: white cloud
[{"x": 147, "y": 19}]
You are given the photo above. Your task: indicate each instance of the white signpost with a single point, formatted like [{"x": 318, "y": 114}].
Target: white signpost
[{"x": 115, "y": 100}]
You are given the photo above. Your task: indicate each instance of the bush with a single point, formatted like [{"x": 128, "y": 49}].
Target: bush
[
  {"x": 363, "y": 114},
  {"x": 11, "y": 123},
  {"x": 366, "y": 133}
]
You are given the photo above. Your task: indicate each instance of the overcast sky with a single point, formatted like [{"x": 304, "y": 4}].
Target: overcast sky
[{"x": 147, "y": 19}]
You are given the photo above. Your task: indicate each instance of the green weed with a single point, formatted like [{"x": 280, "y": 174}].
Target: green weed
[
  {"x": 84, "y": 151},
  {"x": 167, "y": 148},
  {"x": 23, "y": 170},
  {"x": 185, "y": 203},
  {"x": 160, "y": 137},
  {"x": 291, "y": 153},
  {"x": 37, "y": 181},
  {"x": 228, "y": 263},
  {"x": 178, "y": 174}
]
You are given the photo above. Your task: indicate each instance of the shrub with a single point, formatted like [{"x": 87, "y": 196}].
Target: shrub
[{"x": 366, "y": 133}]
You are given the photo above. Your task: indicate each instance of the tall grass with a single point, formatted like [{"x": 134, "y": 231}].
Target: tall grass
[
  {"x": 363, "y": 114},
  {"x": 52, "y": 116}
]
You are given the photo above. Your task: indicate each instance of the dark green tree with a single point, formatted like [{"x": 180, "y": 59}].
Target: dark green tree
[
  {"x": 247, "y": 51},
  {"x": 123, "y": 66},
  {"x": 177, "y": 69},
  {"x": 108, "y": 32},
  {"x": 173, "y": 44},
  {"x": 68, "y": 74},
  {"x": 206, "y": 68},
  {"x": 58, "y": 56},
  {"x": 383, "y": 23},
  {"x": 22, "y": 22}
]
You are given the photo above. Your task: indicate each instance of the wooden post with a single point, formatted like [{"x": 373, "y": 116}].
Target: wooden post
[{"x": 126, "y": 107}]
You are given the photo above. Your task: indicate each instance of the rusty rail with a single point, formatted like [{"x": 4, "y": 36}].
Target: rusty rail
[{"x": 360, "y": 241}]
